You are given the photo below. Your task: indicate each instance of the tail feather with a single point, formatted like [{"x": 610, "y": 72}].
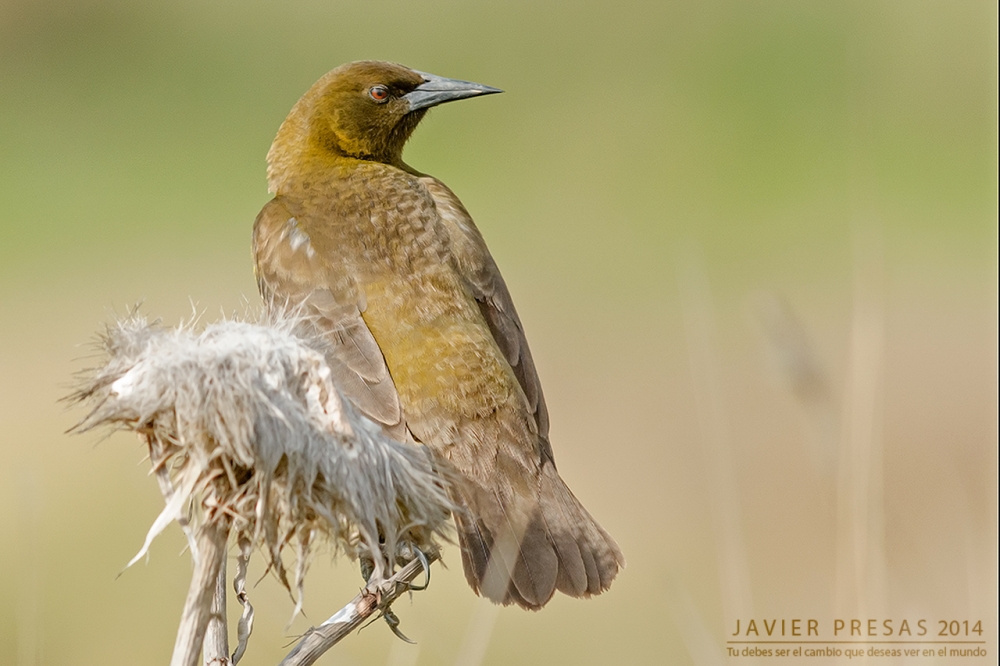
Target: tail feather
[
  {"x": 523, "y": 554},
  {"x": 573, "y": 573},
  {"x": 476, "y": 544},
  {"x": 536, "y": 565}
]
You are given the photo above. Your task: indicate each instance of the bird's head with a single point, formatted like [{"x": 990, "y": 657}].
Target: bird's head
[{"x": 363, "y": 110}]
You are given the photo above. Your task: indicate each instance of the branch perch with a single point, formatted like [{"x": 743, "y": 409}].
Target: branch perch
[{"x": 370, "y": 600}]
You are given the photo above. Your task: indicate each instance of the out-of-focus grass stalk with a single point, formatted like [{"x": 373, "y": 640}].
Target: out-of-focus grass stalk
[
  {"x": 800, "y": 369},
  {"x": 710, "y": 403},
  {"x": 860, "y": 586},
  {"x": 477, "y": 635},
  {"x": 700, "y": 642},
  {"x": 860, "y": 581},
  {"x": 29, "y": 647}
]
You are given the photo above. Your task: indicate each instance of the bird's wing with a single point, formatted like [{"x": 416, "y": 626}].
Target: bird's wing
[
  {"x": 518, "y": 509},
  {"x": 482, "y": 276},
  {"x": 290, "y": 271}
]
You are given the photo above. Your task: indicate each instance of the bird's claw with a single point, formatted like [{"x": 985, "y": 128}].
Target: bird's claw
[
  {"x": 427, "y": 570},
  {"x": 392, "y": 620}
]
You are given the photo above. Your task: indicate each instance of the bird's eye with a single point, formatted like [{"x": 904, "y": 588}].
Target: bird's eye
[{"x": 378, "y": 93}]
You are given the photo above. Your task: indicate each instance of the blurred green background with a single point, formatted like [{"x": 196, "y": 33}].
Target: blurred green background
[{"x": 753, "y": 244}]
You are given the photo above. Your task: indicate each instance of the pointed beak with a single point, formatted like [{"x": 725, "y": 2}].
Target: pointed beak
[{"x": 438, "y": 90}]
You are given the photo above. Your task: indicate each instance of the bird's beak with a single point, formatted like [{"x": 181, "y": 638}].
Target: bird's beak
[{"x": 438, "y": 90}]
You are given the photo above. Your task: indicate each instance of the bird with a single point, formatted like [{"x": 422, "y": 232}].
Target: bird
[{"x": 422, "y": 333}]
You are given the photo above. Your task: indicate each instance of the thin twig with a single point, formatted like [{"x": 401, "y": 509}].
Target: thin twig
[{"x": 373, "y": 598}]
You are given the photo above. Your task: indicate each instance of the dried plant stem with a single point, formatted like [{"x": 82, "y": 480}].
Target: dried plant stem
[
  {"x": 212, "y": 538},
  {"x": 216, "y": 648},
  {"x": 370, "y": 600}
]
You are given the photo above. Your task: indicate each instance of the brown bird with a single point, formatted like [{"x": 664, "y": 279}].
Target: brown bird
[{"x": 424, "y": 336}]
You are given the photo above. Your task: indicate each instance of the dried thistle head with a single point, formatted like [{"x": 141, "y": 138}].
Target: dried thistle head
[{"x": 242, "y": 418}]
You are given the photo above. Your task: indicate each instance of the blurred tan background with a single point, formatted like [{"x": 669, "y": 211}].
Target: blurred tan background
[{"x": 753, "y": 244}]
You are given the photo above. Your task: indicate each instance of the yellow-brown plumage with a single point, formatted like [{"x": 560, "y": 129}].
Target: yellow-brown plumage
[{"x": 425, "y": 339}]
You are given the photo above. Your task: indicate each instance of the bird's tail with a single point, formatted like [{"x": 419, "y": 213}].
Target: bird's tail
[{"x": 523, "y": 550}]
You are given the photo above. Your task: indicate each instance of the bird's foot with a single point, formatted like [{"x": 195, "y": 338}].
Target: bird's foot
[
  {"x": 380, "y": 586},
  {"x": 367, "y": 565},
  {"x": 408, "y": 553}
]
